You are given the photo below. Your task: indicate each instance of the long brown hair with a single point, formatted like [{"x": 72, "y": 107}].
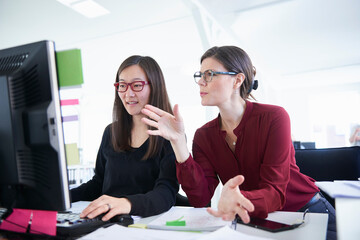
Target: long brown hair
[
  {"x": 234, "y": 59},
  {"x": 122, "y": 120}
]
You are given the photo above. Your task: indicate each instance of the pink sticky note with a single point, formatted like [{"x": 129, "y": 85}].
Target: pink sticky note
[
  {"x": 18, "y": 221},
  {"x": 43, "y": 222},
  {"x": 67, "y": 102}
]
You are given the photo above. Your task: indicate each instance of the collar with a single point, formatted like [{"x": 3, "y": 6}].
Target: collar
[{"x": 242, "y": 124}]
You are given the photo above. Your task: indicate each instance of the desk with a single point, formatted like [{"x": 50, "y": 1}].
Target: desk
[
  {"x": 314, "y": 228},
  {"x": 347, "y": 218},
  {"x": 347, "y": 207}
]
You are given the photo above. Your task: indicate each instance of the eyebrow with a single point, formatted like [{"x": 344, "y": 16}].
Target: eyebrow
[
  {"x": 210, "y": 70},
  {"x": 132, "y": 80}
]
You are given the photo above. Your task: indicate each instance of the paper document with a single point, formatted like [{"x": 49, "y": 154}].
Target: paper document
[
  {"x": 344, "y": 189},
  {"x": 226, "y": 233},
  {"x": 196, "y": 219},
  {"x": 119, "y": 232}
]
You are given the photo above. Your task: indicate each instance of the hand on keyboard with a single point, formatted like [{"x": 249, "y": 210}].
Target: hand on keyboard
[{"x": 70, "y": 224}]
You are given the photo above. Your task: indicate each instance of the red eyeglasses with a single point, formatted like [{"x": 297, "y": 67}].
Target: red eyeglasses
[{"x": 136, "y": 86}]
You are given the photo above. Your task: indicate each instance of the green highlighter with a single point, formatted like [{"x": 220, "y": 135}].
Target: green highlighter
[{"x": 176, "y": 222}]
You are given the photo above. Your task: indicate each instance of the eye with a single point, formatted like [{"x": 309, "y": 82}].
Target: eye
[
  {"x": 208, "y": 73},
  {"x": 122, "y": 85}
]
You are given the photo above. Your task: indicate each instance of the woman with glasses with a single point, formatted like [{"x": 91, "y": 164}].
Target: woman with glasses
[
  {"x": 247, "y": 147},
  {"x": 135, "y": 173}
]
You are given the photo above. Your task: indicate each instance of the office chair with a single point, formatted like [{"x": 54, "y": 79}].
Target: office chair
[
  {"x": 184, "y": 201},
  {"x": 329, "y": 164}
]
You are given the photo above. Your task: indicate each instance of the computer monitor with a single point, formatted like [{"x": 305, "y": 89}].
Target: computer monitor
[{"x": 33, "y": 169}]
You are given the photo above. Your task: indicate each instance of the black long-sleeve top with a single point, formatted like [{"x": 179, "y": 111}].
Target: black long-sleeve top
[{"x": 150, "y": 185}]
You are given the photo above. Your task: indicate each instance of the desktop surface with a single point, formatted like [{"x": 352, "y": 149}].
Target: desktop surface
[{"x": 314, "y": 228}]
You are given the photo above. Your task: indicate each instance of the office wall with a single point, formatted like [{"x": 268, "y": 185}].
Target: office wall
[
  {"x": 304, "y": 51},
  {"x": 177, "y": 53}
]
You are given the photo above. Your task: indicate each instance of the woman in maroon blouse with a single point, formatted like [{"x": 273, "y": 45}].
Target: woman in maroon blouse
[{"x": 248, "y": 146}]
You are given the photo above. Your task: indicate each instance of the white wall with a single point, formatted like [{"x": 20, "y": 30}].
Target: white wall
[
  {"x": 177, "y": 47},
  {"x": 178, "y": 55}
]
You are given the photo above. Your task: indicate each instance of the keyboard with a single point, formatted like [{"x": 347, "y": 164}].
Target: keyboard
[{"x": 71, "y": 225}]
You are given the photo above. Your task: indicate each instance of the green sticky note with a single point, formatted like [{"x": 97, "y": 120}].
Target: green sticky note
[
  {"x": 177, "y": 222},
  {"x": 69, "y": 67}
]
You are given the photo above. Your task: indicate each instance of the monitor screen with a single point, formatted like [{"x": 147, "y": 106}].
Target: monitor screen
[{"x": 33, "y": 169}]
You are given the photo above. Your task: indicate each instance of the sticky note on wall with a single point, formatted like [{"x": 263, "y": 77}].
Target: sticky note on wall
[
  {"x": 72, "y": 154},
  {"x": 69, "y": 67}
]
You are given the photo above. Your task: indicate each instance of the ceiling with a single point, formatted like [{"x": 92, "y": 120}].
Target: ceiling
[{"x": 287, "y": 36}]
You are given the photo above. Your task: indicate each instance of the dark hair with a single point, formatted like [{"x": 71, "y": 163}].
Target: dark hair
[
  {"x": 234, "y": 59},
  {"x": 122, "y": 120}
]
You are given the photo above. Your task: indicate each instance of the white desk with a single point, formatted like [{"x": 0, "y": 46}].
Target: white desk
[
  {"x": 347, "y": 207},
  {"x": 347, "y": 218},
  {"x": 315, "y": 226}
]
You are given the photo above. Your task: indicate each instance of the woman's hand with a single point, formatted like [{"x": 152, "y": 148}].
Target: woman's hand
[
  {"x": 232, "y": 202},
  {"x": 112, "y": 206},
  {"x": 168, "y": 126},
  {"x": 355, "y": 136}
]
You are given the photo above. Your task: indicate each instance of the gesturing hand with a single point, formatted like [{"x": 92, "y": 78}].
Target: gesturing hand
[
  {"x": 112, "y": 205},
  {"x": 232, "y": 202},
  {"x": 168, "y": 126}
]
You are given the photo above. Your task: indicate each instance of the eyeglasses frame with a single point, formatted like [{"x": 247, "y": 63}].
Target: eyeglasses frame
[
  {"x": 212, "y": 74},
  {"x": 143, "y": 83}
]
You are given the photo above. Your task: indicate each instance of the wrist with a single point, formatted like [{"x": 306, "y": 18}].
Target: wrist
[
  {"x": 126, "y": 205},
  {"x": 180, "y": 148}
]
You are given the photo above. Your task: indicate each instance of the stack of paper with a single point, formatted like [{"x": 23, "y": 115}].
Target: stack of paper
[
  {"x": 196, "y": 219},
  {"x": 341, "y": 189},
  {"x": 119, "y": 232}
]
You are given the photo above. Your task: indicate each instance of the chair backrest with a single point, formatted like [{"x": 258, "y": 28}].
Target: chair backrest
[
  {"x": 182, "y": 200},
  {"x": 328, "y": 164}
]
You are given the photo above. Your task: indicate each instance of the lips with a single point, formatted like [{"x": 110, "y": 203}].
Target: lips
[
  {"x": 131, "y": 102},
  {"x": 202, "y": 94}
]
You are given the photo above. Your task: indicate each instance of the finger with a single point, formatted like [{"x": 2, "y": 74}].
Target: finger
[
  {"x": 155, "y": 110},
  {"x": 154, "y": 132},
  {"x": 242, "y": 213},
  {"x": 94, "y": 205},
  {"x": 110, "y": 215},
  {"x": 213, "y": 212},
  {"x": 228, "y": 216},
  {"x": 150, "y": 122},
  {"x": 98, "y": 211},
  {"x": 150, "y": 114},
  {"x": 177, "y": 113},
  {"x": 90, "y": 208},
  {"x": 235, "y": 181},
  {"x": 247, "y": 205}
]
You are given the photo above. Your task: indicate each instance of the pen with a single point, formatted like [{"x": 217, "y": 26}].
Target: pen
[{"x": 234, "y": 222}]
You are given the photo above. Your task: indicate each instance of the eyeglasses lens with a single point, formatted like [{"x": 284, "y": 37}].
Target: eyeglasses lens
[
  {"x": 135, "y": 86},
  {"x": 207, "y": 76}
]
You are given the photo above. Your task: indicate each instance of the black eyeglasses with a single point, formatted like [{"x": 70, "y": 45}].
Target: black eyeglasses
[
  {"x": 136, "y": 86},
  {"x": 208, "y": 75}
]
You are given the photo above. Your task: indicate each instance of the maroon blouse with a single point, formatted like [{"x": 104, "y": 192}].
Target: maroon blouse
[{"x": 264, "y": 155}]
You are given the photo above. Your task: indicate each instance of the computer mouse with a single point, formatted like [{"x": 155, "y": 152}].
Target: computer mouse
[{"x": 122, "y": 219}]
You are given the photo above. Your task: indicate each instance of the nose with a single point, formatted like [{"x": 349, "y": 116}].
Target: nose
[
  {"x": 129, "y": 92},
  {"x": 202, "y": 81}
]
